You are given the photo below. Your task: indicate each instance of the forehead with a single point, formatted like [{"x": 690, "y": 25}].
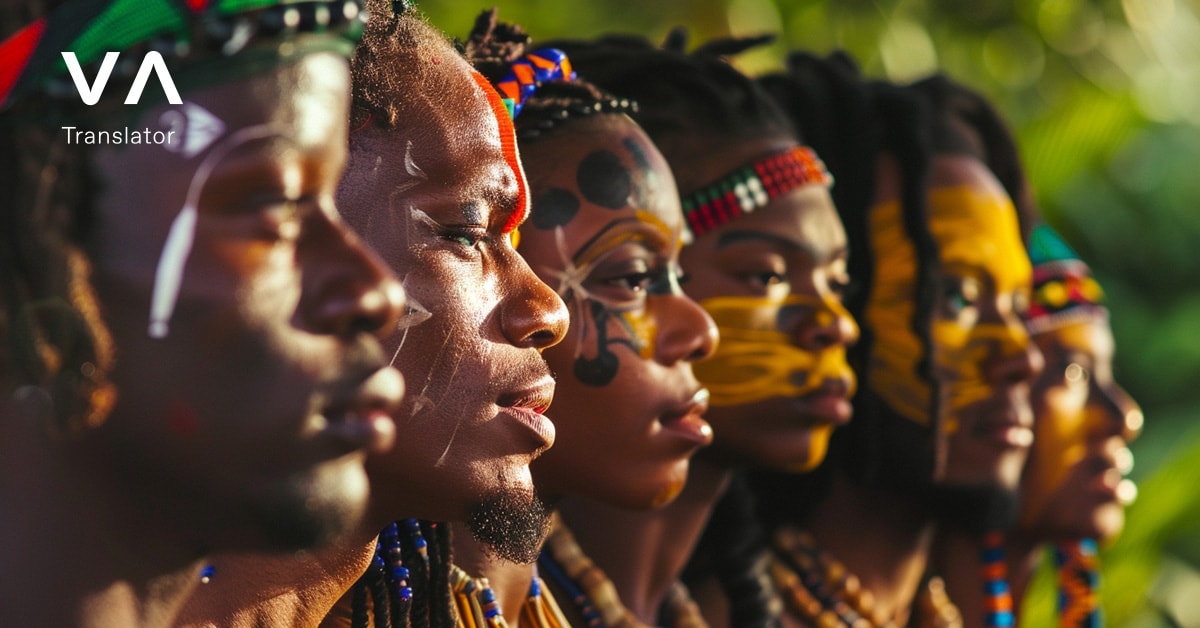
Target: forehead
[
  {"x": 803, "y": 219},
  {"x": 974, "y": 222},
  {"x": 596, "y": 170},
  {"x": 1090, "y": 334}
]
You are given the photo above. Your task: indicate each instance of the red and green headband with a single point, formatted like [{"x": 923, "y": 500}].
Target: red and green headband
[{"x": 752, "y": 186}]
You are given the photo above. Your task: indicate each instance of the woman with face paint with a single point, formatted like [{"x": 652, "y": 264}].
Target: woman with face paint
[
  {"x": 943, "y": 416},
  {"x": 189, "y": 359},
  {"x": 604, "y": 231},
  {"x": 767, "y": 256}
]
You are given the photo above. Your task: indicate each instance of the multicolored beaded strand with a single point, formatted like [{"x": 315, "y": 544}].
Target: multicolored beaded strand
[
  {"x": 997, "y": 598},
  {"x": 1078, "y": 581}
]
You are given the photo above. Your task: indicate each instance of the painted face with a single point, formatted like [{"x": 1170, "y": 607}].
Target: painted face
[
  {"x": 1084, "y": 421},
  {"x": 982, "y": 356},
  {"x": 250, "y": 418},
  {"x": 772, "y": 281},
  {"x": 605, "y": 231},
  {"x": 439, "y": 196}
]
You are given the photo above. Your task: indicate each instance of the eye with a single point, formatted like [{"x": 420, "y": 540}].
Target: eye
[
  {"x": 960, "y": 295},
  {"x": 636, "y": 282},
  {"x": 765, "y": 279},
  {"x": 467, "y": 237}
]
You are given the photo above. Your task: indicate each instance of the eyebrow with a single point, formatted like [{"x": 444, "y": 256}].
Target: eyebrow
[
  {"x": 642, "y": 235},
  {"x": 733, "y": 237}
]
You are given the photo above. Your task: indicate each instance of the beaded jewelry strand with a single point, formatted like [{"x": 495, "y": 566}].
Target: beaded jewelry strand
[
  {"x": 997, "y": 601},
  {"x": 1078, "y": 580},
  {"x": 478, "y": 607}
]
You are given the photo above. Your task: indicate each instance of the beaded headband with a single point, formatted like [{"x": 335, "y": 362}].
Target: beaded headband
[
  {"x": 1063, "y": 287},
  {"x": 752, "y": 186},
  {"x": 31, "y": 60}
]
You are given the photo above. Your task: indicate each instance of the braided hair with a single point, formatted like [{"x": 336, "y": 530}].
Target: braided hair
[{"x": 494, "y": 46}]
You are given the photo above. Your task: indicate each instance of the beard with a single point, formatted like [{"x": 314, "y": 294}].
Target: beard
[
  {"x": 975, "y": 510},
  {"x": 511, "y": 525}
]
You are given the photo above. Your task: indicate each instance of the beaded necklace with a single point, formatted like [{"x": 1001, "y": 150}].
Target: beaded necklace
[
  {"x": 595, "y": 596},
  {"x": 822, "y": 592},
  {"x": 478, "y": 607},
  {"x": 997, "y": 601},
  {"x": 1078, "y": 579}
]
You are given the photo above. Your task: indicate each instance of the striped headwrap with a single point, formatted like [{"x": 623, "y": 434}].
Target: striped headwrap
[{"x": 1063, "y": 287}]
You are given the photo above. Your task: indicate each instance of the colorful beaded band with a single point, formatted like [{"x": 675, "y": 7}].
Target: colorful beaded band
[
  {"x": 997, "y": 601},
  {"x": 753, "y": 186},
  {"x": 1078, "y": 582},
  {"x": 528, "y": 73},
  {"x": 1063, "y": 287}
]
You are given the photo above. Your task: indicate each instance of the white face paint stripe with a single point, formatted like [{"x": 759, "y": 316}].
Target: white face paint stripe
[{"x": 168, "y": 275}]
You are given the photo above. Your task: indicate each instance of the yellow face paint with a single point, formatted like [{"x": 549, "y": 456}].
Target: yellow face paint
[
  {"x": 889, "y": 313},
  {"x": 1065, "y": 414},
  {"x": 976, "y": 231},
  {"x": 756, "y": 361}
]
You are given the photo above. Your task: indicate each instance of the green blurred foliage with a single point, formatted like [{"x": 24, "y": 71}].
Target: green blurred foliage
[{"x": 1104, "y": 97}]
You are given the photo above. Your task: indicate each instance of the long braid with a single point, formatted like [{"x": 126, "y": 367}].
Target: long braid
[{"x": 441, "y": 601}]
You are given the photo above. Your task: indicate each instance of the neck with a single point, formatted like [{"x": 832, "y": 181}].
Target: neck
[
  {"x": 1024, "y": 554},
  {"x": 104, "y": 557},
  {"x": 643, "y": 552},
  {"x": 508, "y": 580},
  {"x": 883, "y": 537}
]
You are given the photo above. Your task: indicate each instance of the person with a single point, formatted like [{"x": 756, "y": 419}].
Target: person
[
  {"x": 1072, "y": 489},
  {"x": 190, "y": 361},
  {"x": 435, "y": 185},
  {"x": 604, "y": 229},
  {"x": 943, "y": 425},
  {"x": 767, "y": 256}
]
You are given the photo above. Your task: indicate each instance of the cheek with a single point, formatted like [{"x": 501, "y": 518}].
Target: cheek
[{"x": 642, "y": 329}]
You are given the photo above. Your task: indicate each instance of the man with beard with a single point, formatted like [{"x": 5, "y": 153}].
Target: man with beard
[
  {"x": 435, "y": 185},
  {"x": 189, "y": 362},
  {"x": 942, "y": 421}
]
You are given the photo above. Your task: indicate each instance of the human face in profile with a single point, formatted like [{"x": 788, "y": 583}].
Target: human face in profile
[
  {"x": 439, "y": 196},
  {"x": 773, "y": 282},
  {"x": 605, "y": 231},
  {"x": 1083, "y": 424},
  {"x": 983, "y": 358},
  {"x": 248, "y": 415}
]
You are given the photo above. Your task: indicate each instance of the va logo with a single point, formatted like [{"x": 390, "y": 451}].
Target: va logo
[{"x": 153, "y": 61}]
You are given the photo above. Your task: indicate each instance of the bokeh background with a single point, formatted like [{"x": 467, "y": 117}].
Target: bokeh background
[{"x": 1105, "y": 98}]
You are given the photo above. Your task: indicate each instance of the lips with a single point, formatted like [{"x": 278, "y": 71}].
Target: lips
[
  {"x": 527, "y": 406},
  {"x": 829, "y": 403},
  {"x": 686, "y": 420},
  {"x": 362, "y": 419}
]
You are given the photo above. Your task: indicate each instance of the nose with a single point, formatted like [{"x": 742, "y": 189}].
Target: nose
[
  {"x": 686, "y": 332},
  {"x": 347, "y": 289},
  {"x": 1014, "y": 358},
  {"x": 1123, "y": 416},
  {"x": 830, "y": 324},
  {"x": 532, "y": 315}
]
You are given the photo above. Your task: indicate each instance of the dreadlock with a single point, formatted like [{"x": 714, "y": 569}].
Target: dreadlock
[
  {"x": 969, "y": 124},
  {"x": 494, "y": 46},
  {"x": 407, "y": 584},
  {"x": 681, "y": 96}
]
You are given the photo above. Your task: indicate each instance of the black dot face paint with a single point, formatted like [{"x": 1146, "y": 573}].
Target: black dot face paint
[
  {"x": 604, "y": 180},
  {"x": 554, "y": 207}
]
